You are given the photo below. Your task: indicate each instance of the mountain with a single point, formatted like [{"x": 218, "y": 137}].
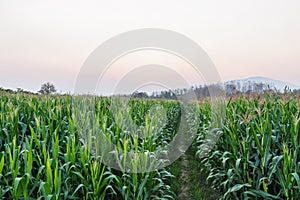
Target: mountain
[{"x": 278, "y": 85}]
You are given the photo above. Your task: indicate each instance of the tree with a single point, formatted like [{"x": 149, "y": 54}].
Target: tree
[
  {"x": 47, "y": 88},
  {"x": 20, "y": 90},
  {"x": 139, "y": 95},
  {"x": 231, "y": 89}
]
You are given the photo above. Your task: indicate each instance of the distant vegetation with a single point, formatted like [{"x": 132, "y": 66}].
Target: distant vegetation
[
  {"x": 200, "y": 91},
  {"x": 204, "y": 91},
  {"x": 47, "y": 88},
  {"x": 19, "y": 90}
]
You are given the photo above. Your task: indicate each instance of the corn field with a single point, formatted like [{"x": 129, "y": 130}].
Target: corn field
[
  {"x": 43, "y": 156},
  {"x": 255, "y": 155}
]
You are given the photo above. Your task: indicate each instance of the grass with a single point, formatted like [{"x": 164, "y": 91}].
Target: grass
[{"x": 200, "y": 189}]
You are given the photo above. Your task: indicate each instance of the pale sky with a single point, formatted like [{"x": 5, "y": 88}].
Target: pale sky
[{"x": 44, "y": 41}]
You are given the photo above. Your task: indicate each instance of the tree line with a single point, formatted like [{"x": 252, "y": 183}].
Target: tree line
[
  {"x": 200, "y": 91},
  {"x": 206, "y": 90}
]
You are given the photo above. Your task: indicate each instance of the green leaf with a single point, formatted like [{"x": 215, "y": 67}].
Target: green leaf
[
  {"x": 296, "y": 176},
  {"x": 18, "y": 186},
  {"x": 262, "y": 194},
  {"x": 236, "y": 188},
  {"x": 1, "y": 164},
  {"x": 142, "y": 186},
  {"x": 78, "y": 188}
]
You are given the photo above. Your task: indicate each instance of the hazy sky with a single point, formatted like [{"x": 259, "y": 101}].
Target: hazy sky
[{"x": 49, "y": 40}]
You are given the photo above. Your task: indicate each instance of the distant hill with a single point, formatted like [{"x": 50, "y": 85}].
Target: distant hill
[{"x": 271, "y": 83}]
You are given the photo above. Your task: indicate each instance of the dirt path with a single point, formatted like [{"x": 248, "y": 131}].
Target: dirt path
[{"x": 185, "y": 179}]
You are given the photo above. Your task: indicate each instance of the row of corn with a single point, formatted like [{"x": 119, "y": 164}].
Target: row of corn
[
  {"x": 256, "y": 154},
  {"x": 51, "y": 147}
]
